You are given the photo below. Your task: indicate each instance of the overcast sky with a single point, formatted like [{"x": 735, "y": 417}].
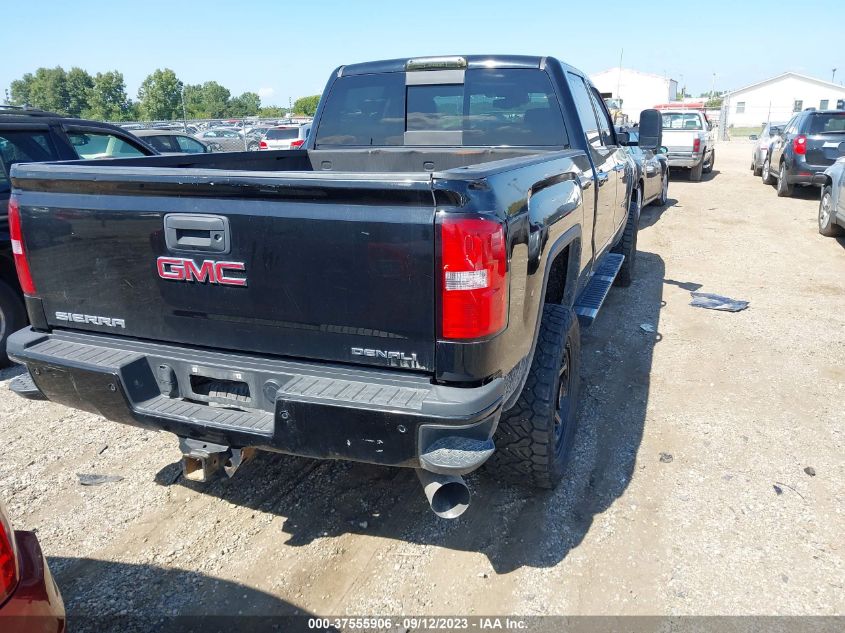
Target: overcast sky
[{"x": 285, "y": 50}]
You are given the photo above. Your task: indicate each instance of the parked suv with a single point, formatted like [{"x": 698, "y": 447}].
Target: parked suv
[
  {"x": 810, "y": 143},
  {"x": 28, "y": 136}
]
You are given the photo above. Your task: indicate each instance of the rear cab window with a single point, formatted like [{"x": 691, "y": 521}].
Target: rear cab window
[
  {"x": 681, "y": 121},
  {"x": 492, "y": 107}
]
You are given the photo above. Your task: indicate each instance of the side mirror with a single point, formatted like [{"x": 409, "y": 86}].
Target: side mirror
[
  {"x": 651, "y": 129},
  {"x": 753, "y": 137}
]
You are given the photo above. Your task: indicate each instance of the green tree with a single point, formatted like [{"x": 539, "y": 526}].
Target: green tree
[
  {"x": 247, "y": 104},
  {"x": 107, "y": 99},
  {"x": 78, "y": 84},
  {"x": 48, "y": 90},
  {"x": 20, "y": 91},
  {"x": 194, "y": 104},
  {"x": 215, "y": 99},
  {"x": 160, "y": 96},
  {"x": 306, "y": 105},
  {"x": 272, "y": 111}
]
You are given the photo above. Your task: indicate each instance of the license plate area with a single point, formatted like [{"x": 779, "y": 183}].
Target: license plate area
[{"x": 220, "y": 386}]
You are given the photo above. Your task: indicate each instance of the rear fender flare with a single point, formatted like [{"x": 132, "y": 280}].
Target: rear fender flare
[{"x": 515, "y": 379}]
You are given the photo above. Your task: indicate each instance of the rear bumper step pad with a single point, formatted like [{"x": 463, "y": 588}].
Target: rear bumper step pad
[{"x": 311, "y": 409}]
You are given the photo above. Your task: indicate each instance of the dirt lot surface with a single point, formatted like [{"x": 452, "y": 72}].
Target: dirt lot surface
[{"x": 687, "y": 493}]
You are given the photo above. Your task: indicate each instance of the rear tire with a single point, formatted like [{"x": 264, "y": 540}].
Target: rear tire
[
  {"x": 627, "y": 246},
  {"x": 663, "y": 198},
  {"x": 709, "y": 168},
  {"x": 827, "y": 222},
  {"x": 784, "y": 189},
  {"x": 755, "y": 168},
  {"x": 766, "y": 172},
  {"x": 12, "y": 318},
  {"x": 695, "y": 172},
  {"x": 534, "y": 437}
]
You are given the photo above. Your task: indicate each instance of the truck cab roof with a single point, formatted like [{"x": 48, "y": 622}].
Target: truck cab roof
[{"x": 463, "y": 62}]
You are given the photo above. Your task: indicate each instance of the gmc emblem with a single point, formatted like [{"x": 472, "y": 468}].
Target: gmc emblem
[{"x": 179, "y": 269}]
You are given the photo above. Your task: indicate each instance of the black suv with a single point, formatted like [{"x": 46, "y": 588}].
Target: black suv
[
  {"x": 28, "y": 136},
  {"x": 810, "y": 143}
]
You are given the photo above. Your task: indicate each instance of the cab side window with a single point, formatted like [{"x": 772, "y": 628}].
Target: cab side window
[
  {"x": 586, "y": 113},
  {"x": 605, "y": 124}
]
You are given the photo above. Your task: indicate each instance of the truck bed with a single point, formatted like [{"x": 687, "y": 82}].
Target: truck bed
[{"x": 319, "y": 261}]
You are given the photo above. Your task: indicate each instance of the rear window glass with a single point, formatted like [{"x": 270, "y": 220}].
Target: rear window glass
[
  {"x": 493, "y": 107},
  {"x": 823, "y": 123},
  {"x": 282, "y": 134},
  {"x": 681, "y": 121}
]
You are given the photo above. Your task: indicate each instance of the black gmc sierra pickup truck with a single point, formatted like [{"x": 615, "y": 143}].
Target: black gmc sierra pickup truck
[{"x": 405, "y": 290}]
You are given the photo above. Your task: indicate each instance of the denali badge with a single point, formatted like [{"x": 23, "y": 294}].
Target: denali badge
[
  {"x": 395, "y": 359},
  {"x": 180, "y": 269},
  {"x": 90, "y": 318}
]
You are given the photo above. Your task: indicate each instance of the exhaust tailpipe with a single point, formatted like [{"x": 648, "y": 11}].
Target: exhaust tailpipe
[{"x": 447, "y": 495}]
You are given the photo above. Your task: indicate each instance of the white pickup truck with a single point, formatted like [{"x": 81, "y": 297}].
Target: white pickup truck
[{"x": 688, "y": 135}]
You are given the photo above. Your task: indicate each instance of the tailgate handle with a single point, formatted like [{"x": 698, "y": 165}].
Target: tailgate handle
[{"x": 196, "y": 233}]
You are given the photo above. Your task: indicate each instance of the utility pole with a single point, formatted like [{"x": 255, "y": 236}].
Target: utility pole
[
  {"x": 184, "y": 111},
  {"x": 713, "y": 87},
  {"x": 832, "y": 74},
  {"x": 619, "y": 76}
]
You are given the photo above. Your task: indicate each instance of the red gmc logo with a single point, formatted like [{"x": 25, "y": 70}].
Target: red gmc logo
[{"x": 179, "y": 269}]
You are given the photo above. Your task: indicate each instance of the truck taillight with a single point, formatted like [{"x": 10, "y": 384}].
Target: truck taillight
[
  {"x": 474, "y": 290},
  {"x": 18, "y": 249},
  {"x": 799, "y": 144},
  {"x": 696, "y": 145},
  {"x": 262, "y": 145},
  {"x": 8, "y": 560},
  {"x": 297, "y": 144}
]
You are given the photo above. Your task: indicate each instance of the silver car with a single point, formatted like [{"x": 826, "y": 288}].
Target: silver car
[
  {"x": 229, "y": 139},
  {"x": 832, "y": 204},
  {"x": 761, "y": 145}
]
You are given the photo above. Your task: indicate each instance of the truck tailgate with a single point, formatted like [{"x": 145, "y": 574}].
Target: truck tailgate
[{"x": 297, "y": 265}]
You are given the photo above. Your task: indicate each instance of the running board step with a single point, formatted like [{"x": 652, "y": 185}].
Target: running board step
[{"x": 591, "y": 299}]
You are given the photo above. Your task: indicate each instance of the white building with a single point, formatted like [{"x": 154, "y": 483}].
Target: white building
[
  {"x": 776, "y": 99},
  {"x": 638, "y": 91}
]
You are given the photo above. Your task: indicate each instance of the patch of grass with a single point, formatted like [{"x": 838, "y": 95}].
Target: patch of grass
[{"x": 744, "y": 132}]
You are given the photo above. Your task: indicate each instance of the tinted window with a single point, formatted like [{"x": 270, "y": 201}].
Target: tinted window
[
  {"x": 161, "y": 143},
  {"x": 492, "y": 107},
  {"x": 189, "y": 145},
  {"x": 585, "y": 109},
  {"x": 23, "y": 147},
  {"x": 827, "y": 123},
  {"x": 101, "y": 145},
  {"x": 282, "y": 134}
]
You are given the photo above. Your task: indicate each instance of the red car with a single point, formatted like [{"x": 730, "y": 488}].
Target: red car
[{"x": 29, "y": 599}]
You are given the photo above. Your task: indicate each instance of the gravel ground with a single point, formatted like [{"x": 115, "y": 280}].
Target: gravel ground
[{"x": 687, "y": 493}]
